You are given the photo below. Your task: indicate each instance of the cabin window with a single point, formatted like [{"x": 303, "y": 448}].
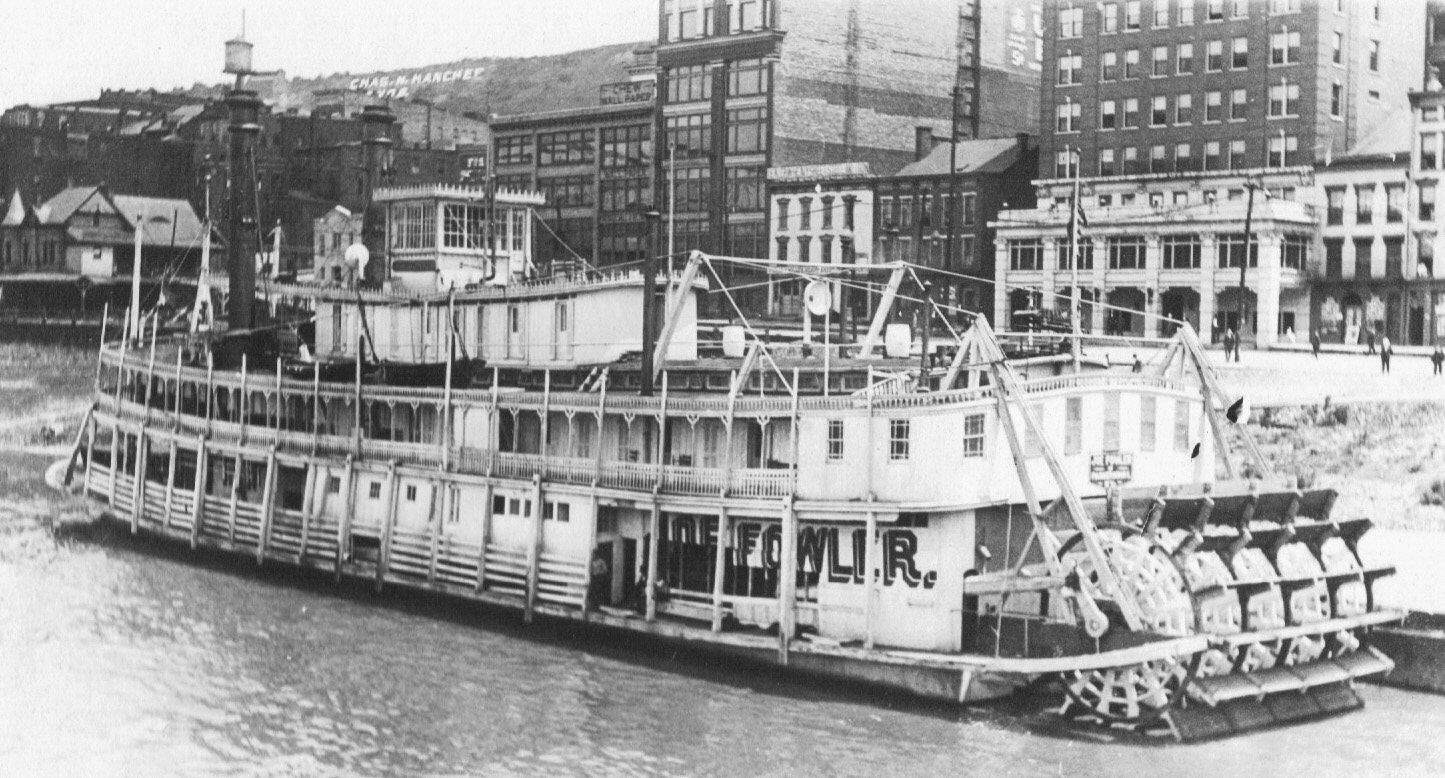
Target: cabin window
[
  {"x": 1148, "y": 416},
  {"x": 1111, "y": 422},
  {"x": 582, "y": 442},
  {"x": 415, "y": 226},
  {"x": 561, "y": 317},
  {"x": 557, "y": 511},
  {"x": 1033, "y": 447},
  {"x": 499, "y": 504},
  {"x": 897, "y": 439},
  {"x": 411, "y": 492},
  {"x": 1074, "y": 425},
  {"x": 1181, "y": 425},
  {"x": 514, "y": 506},
  {"x": 333, "y": 485},
  {"x": 973, "y": 435},
  {"x": 374, "y": 490},
  {"x": 835, "y": 439}
]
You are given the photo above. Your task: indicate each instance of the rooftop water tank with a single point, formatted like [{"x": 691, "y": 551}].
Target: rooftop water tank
[{"x": 238, "y": 56}]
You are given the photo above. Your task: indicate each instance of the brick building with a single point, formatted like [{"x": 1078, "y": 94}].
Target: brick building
[
  {"x": 594, "y": 167},
  {"x": 1159, "y": 86},
  {"x": 749, "y": 85}
]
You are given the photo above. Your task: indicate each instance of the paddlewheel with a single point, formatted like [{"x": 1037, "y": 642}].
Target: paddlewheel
[{"x": 1284, "y": 599}]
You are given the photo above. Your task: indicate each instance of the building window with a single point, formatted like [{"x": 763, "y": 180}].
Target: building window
[
  {"x": 1283, "y": 150},
  {"x": 1180, "y": 252},
  {"x": 1131, "y": 162},
  {"x": 1238, "y": 155},
  {"x": 782, "y": 249},
  {"x": 1335, "y": 205},
  {"x": 1184, "y": 63},
  {"x": 1240, "y": 51},
  {"x": 1108, "y": 115},
  {"x": 1364, "y": 259},
  {"x": 1158, "y": 111},
  {"x": 1394, "y": 202},
  {"x": 897, "y": 439},
  {"x": 1066, "y": 164},
  {"x": 1364, "y": 204},
  {"x": 1284, "y": 6},
  {"x": 1337, "y": 100},
  {"x": 745, "y": 189},
  {"x": 1109, "y": 66},
  {"x": 514, "y": 151},
  {"x": 1214, "y": 56},
  {"x": 746, "y": 16},
  {"x": 689, "y": 83},
  {"x": 1231, "y": 249},
  {"x": 1186, "y": 13},
  {"x": 1213, "y": 106},
  {"x": 1071, "y": 23},
  {"x": 1216, "y": 10},
  {"x": 1131, "y": 112},
  {"x": 1133, "y": 15},
  {"x": 1068, "y": 114},
  {"x": 783, "y": 214},
  {"x": 1429, "y": 151},
  {"x": 805, "y": 213},
  {"x": 1375, "y": 56},
  {"x": 1158, "y": 159},
  {"x": 373, "y": 490},
  {"x": 692, "y": 189},
  {"x": 1283, "y": 100},
  {"x": 835, "y": 439},
  {"x": 1284, "y": 48},
  {"x": 575, "y": 147},
  {"x": 1334, "y": 257},
  {"x": 1427, "y": 202},
  {"x": 1161, "y": 13},
  {"x": 1212, "y": 156},
  {"x": 624, "y": 194},
  {"x": 1338, "y": 56},
  {"x": 968, "y": 202},
  {"x": 1109, "y": 17},
  {"x": 1084, "y": 248},
  {"x": 1106, "y": 162},
  {"x": 747, "y": 131},
  {"x": 748, "y": 77},
  {"x": 1131, "y": 63},
  {"x": 568, "y": 191},
  {"x": 1026, "y": 254},
  {"x": 1239, "y": 105},
  {"x": 1184, "y": 109},
  {"x": 1071, "y": 69},
  {"x": 973, "y": 435},
  {"x": 1161, "y": 61},
  {"x": 1295, "y": 252},
  {"x": 689, "y": 137},
  {"x": 626, "y": 146},
  {"x": 1183, "y": 157},
  {"x": 1239, "y": 9},
  {"x": 1126, "y": 252}
]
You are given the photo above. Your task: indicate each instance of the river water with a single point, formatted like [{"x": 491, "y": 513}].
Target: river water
[{"x": 126, "y": 657}]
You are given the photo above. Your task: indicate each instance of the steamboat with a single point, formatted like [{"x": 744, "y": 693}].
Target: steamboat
[{"x": 576, "y": 447}]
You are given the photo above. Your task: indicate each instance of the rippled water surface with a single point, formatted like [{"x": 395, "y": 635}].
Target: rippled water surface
[{"x": 130, "y": 658}]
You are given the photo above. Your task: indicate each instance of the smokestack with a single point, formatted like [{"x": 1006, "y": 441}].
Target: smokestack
[
  {"x": 241, "y": 226},
  {"x": 376, "y": 122}
]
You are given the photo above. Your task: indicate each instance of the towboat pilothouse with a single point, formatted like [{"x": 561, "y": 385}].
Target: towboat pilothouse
[{"x": 958, "y": 524}]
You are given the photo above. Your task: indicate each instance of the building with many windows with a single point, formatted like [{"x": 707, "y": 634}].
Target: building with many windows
[
  {"x": 1381, "y": 232},
  {"x": 745, "y": 86},
  {"x": 1184, "y": 86}
]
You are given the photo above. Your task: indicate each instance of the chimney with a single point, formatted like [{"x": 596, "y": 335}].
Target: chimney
[
  {"x": 922, "y": 142},
  {"x": 241, "y": 238},
  {"x": 376, "y": 123},
  {"x": 1023, "y": 139}
]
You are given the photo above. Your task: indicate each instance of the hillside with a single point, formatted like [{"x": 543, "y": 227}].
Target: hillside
[{"x": 500, "y": 85}]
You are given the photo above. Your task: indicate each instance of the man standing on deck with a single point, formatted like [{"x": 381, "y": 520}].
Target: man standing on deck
[{"x": 600, "y": 589}]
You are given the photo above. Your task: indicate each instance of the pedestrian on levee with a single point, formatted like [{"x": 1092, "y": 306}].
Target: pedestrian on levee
[
  {"x": 1315, "y": 343},
  {"x": 1385, "y": 351},
  {"x": 1369, "y": 340},
  {"x": 1228, "y": 344},
  {"x": 1437, "y": 358},
  {"x": 1235, "y": 342}
]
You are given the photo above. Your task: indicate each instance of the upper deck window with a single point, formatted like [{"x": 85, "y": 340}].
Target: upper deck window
[
  {"x": 463, "y": 226},
  {"x": 898, "y": 439},
  {"x": 973, "y": 435},
  {"x": 413, "y": 226}
]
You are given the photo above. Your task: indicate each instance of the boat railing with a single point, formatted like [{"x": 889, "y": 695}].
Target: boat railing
[{"x": 712, "y": 405}]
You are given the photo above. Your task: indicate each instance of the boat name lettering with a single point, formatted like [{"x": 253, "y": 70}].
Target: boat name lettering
[{"x": 836, "y": 556}]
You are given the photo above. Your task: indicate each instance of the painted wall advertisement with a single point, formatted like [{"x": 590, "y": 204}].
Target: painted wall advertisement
[{"x": 399, "y": 85}]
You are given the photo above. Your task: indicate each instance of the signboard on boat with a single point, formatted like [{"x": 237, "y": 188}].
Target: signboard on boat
[{"x": 1111, "y": 467}]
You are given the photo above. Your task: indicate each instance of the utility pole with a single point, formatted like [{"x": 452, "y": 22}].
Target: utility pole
[
  {"x": 953, "y": 205},
  {"x": 649, "y": 301}
]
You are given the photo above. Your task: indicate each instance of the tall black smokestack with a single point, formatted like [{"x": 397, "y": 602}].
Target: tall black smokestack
[
  {"x": 241, "y": 222},
  {"x": 376, "y": 127}
]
